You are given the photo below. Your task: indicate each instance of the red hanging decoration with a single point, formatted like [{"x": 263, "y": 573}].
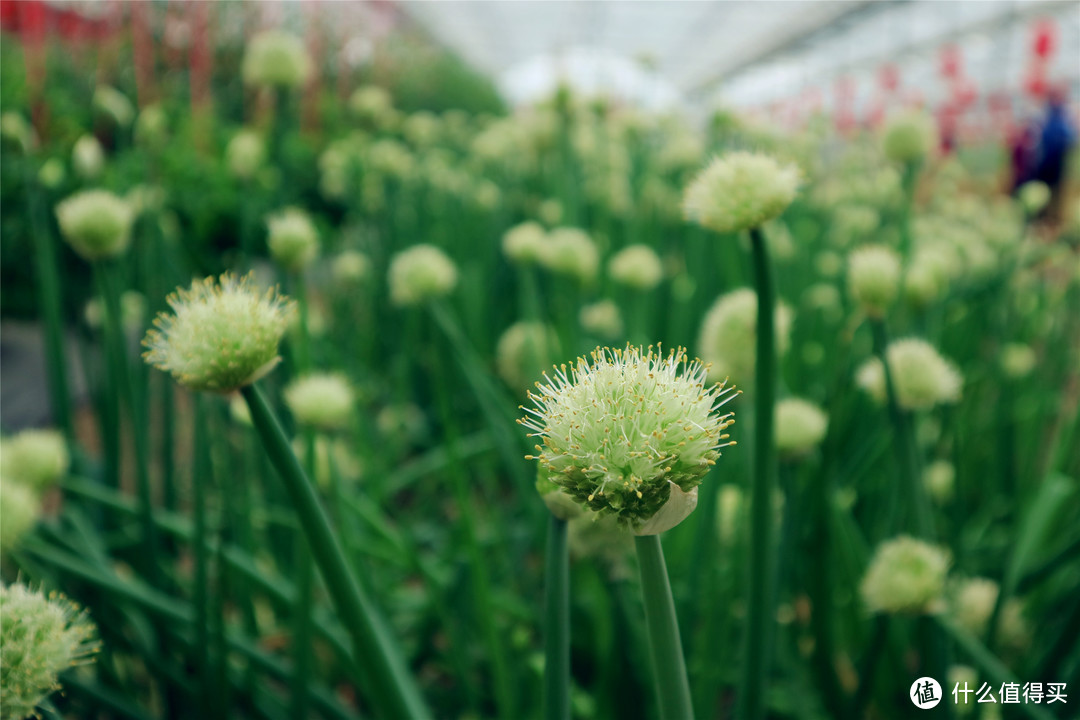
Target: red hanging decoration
[{"x": 1044, "y": 41}]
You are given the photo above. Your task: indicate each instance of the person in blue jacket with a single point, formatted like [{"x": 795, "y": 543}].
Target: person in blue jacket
[{"x": 1056, "y": 138}]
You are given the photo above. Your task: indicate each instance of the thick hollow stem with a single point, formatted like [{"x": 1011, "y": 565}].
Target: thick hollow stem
[
  {"x": 48, "y": 284},
  {"x": 921, "y": 519},
  {"x": 395, "y": 691},
  {"x": 557, "y": 624},
  {"x": 665, "y": 646},
  {"x": 762, "y": 555},
  {"x": 125, "y": 381}
]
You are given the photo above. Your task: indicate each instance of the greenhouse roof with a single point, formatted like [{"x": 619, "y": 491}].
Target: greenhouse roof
[{"x": 740, "y": 53}]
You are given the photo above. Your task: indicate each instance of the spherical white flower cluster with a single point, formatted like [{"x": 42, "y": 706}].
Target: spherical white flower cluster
[
  {"x": 905, "y": 576},
  {"x": 740, "y": 191},
  {"x": 350, "y": 267},
  {"x": 87, "y": 157},
  {"x": 114, "y": 104},
  {"x": 602, "y": 318},
  {"x": 276, "y": 58},
  {"x": 421, "y": 273},
  {"x": 524, "y": 243},
  {"x": 37, "y": 458},
  {"x": 321, "y": 400},
  {"x": 637, "y": 267},
  {"x": 42, "y": 637},
  {"x": 245, "y": 154},
  {"x": 570, "y": 251},
  {"x": 729, "y": 332},
  {"x": 523, "y": 351},
  {"x": 909, "y": 136},
  {"x": 96, "y": 223},
  {"x": 630, "y": 433},
  {"x": 921, "y": 377},
  {"x": 972, "y": 604},
  {"x": 293, "y": 240},
  {"x": 221, "y": 335},
  {"x": 800, "y": 426},
  {"x": 873, "y": 278}
]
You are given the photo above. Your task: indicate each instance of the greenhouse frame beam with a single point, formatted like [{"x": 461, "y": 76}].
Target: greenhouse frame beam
[{"x": 796, "y": 33}]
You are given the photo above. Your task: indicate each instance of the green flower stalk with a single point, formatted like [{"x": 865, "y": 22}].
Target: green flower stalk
[
  {"x": 222, "y": 334},
  {"x": 728, "y": 337},
  {"x": 743, "y": 191},
  {"x": 42, "y": 636},
  {"x": 631, "y": 433},
  {"x": 96, "y": 223},
  {"x": 905, "y": 576},
  {"x": 419, "y": 274}
]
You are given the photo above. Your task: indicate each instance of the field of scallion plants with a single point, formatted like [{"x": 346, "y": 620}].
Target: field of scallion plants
[{"x": 575, "y": 411}]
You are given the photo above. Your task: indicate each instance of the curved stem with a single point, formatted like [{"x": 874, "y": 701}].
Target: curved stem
[
  {"x": 557, "y": 624},
  {"x": 665, "y": 645},
  {"x": 394, "y": 691},
  {"x": 762, "y": 555}
]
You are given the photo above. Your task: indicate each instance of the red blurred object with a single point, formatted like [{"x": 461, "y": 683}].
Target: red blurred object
[
  {"x": 1044, "y": 41},
  {"x": 875, "y": 116},
  {"x": 964, "y": 93},
  {"x": 951, "y": 61},
  {"x": 142, "y": 42},
  {"x": 844, "y": 90},
  {"x": 999, "y": 101},
  {"x": 37, "y": 18},
  {"x": 200, "y": 54},
  {"x": 1035, "y": 82},
  {"x": 889, "y": 77}
]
